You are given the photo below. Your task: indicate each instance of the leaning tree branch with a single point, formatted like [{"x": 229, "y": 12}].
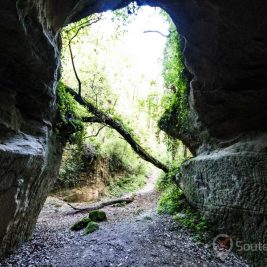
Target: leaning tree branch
[
  {"x": 119, "y": 127},
  {"x": 83, "y": 26},
  {"x": 92, "y": 119}
]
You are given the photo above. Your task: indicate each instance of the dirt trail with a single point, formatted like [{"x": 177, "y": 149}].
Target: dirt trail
[{"x": 134, "y": 235}]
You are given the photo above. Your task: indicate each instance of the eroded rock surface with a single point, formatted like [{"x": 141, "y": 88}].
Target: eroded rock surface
[{"x": 29, "y": 152}]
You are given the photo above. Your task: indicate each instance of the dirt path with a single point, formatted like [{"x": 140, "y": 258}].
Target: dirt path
[{"x": 134, "y": 235}]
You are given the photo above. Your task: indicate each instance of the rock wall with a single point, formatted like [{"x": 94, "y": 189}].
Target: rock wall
[
  {"x": 225, "y": 51},
  {"x": 29, "y": 151}
]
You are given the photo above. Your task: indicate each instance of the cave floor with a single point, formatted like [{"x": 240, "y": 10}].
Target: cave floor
[{"x": 134, "y": 235}]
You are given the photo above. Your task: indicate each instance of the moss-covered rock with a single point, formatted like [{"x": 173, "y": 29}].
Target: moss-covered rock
[
  {"x": 98, "y": 216},
  {"x": 80, "y": 224},
  {"x": 91, "y": 227}
]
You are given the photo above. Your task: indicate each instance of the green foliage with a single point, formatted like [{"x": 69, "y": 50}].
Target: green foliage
[
  {"x": 125, "y": 168},
  {"x": 98, "y": 216},
  {"x": 192, "y": 220},
  {"x": 124, "y": 16},
  {"x": 90, "y": 228},
  {"x": 171, "y": 195},
  {"x": 169, "y": 200},
  {"x": 175, "y": 98},
  {"x": 173, "y": 202},
  {"x": 72, "y": 165},
  {"x": 103, "y": 82},
  {"x": 80, "y": 224},
  {"x": 126, "y": 184},
  {"x": 166, "y": 180},
  {"x": 70, "y": 125},
  {"x": 72, "y": 130}
]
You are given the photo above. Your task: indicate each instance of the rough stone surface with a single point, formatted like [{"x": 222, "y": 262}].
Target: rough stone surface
[
  {"x": 225, "y": 51},
  {"x": 29, "y": 152},
  {"x": 230, "y": 187}
]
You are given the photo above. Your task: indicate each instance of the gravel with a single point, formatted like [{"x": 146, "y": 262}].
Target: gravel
[{"x": 134, "y": 235}]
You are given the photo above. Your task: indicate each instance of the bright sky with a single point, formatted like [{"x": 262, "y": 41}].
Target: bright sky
[
  {"x": 131, "y": 62},
  {"x": 142, "y": 52}
]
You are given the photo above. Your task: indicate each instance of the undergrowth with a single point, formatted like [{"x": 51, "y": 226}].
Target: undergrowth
[
  {"x": 129, "y": 183},
  {"x": 121, "y": 170},
  {"x": 173, "y": 202}
]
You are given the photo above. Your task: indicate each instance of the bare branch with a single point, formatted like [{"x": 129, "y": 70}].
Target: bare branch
[
  {"x": 84, "y": 25},
  {"x": 75, "y": 70},
  {"x": 162, "y": 34},
  {"x": 99, "y": 130}
]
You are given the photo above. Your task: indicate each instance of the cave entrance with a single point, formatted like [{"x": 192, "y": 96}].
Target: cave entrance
[{"x": 125, "y": 64}]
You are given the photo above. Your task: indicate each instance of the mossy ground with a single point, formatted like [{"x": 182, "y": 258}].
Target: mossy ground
[
  {"x": 80, "y": 224},
  {"x": 91, "y": 227},
  {"x": 98, "y": 216},
  {"x": 89, "y": 224}
]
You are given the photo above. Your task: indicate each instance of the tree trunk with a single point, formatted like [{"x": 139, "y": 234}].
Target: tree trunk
[{"x": 103, "y": 118}]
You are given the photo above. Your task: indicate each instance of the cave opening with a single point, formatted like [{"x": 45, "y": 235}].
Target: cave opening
[{"x": 125, "y": 63}]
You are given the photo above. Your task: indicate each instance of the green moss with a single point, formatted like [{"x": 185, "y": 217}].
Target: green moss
[
  {"x": 98, "y": 216},
  {"x": 91, "y": 227},
  {"x": 80, "y": 224},
  {"x": 169, "y": 202},
  {"x": 69, "y": 125}
]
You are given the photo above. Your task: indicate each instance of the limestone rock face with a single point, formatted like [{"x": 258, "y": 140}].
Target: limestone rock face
[
  {"x": 29, "y": 151},
  {"x": 229, "y": 186},
  {"x": 225, "y": 50}
]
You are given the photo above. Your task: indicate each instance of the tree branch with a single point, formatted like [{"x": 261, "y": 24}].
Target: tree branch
[
  {"x": 101, "y": 205},
  {"x": 92, "y": 119},
  {"x": 99, "y": 130},
  {"x": 162, "y": 34},
  {"x": 119, "y": 127},
  {"x": 74, "y": 69},
  {"x": 84, "y": 25}
]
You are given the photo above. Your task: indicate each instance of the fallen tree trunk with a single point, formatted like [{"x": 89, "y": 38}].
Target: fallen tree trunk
[
  {"x": 101, "y": 205},
  {"x": 103, "y": 118}
]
